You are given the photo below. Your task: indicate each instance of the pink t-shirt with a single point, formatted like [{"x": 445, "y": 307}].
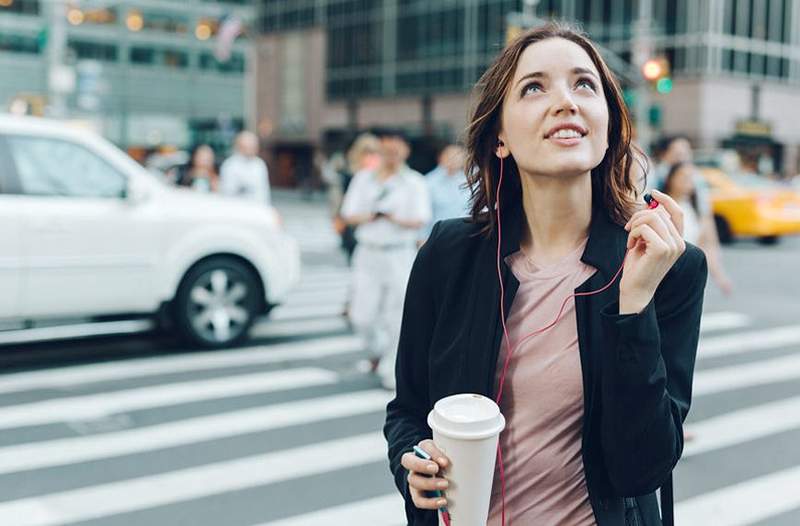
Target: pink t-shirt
[{"x": 543, "y": 400}]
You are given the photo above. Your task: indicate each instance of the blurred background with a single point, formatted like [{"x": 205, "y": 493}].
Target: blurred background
[{"x": 174, "y": 278}]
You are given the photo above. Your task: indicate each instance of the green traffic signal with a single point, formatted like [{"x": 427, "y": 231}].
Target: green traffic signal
[
  {"x": 664, "y": 85},
  {"x": 41, "y": 38}
]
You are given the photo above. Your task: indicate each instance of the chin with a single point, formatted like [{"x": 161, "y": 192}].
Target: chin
[{"x": 562, "y": 169}]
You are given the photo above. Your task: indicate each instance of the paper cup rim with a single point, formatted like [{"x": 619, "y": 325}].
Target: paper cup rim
[{"x": 495, "y": 423}]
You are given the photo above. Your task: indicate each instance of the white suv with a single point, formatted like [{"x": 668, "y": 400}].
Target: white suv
[{"x": 88, "y": 233}]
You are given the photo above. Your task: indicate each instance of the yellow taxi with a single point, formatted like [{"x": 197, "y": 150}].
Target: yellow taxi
[{"x": 750, "y": 205}]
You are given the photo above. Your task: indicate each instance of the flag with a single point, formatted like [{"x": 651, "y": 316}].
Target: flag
[{"x": 230, "y": 27}]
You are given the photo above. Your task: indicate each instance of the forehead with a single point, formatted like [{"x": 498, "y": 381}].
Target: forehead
[{"x": 554, "y": 56}]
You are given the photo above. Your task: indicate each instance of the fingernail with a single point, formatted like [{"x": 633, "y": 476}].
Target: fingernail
[
  {"x": 442, "y": 461},
  {"x": 441, "y": 484},
  {"x": 441, "y": 503}
]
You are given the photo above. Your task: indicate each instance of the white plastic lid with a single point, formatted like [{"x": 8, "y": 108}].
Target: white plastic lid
[{"x": 466, "y": 417}]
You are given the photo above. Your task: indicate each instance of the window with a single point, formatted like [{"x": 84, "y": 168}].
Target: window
[
  {"x": 171, "y": 58},
  {"x": 23, "y": 7},
  {"x": 93, "y": 50},
  {"x": 166, "y": 22},
  {"x": 51, "y": 167},
  {"x": 235, "y": 64},
  {"x": 19, "y": 44}
]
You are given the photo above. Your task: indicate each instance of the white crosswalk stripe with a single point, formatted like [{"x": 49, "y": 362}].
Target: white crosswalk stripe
[
  {"x": 80, "y": 449},
  {"x": 387, "y": 510},
  {"x": 198, "y": 431},
  {"x": 101, "y": 405},
  {"x": 178, "y": 486},
  {"x": 745, "y": 503}
]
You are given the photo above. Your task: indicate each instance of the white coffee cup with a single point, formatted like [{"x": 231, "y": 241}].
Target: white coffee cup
[{"x": 466, "y": 428}]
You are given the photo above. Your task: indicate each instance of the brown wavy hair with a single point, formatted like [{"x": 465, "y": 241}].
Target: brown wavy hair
[{"x": 615, "y": 176}]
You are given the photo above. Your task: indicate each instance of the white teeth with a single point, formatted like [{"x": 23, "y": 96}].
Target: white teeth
[{"x": 566, "y": 133}]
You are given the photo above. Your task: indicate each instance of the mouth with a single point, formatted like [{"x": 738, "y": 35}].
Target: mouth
[{"x": 566, "y": 135}]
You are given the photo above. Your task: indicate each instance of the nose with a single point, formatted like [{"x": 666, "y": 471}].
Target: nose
[{"x": 564, "y": 102}]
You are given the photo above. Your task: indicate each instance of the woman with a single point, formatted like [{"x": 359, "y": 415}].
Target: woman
[
  {"x": 200, "y": 173},
  {"x": 595, "y": 405},
  {"x": 364, "y": 154},
  {"x": 698, "y": 221}
]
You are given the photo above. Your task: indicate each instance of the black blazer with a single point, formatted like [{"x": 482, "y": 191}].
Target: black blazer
[{"x": 637, "y": 368}]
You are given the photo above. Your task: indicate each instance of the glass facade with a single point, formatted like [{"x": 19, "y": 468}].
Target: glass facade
[
  {"x": 188, "y": 50},
  {"x": 22, "y": 7},
  {"x": 139, "y": 64},
  {"x": 397, "y": 47}
]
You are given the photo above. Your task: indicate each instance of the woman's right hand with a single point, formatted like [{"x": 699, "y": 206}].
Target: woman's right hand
[{"x": 421, "y": 476}]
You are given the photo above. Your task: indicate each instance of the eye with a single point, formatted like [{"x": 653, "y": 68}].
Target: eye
[
  {"x": 586, "y": 81},
  {"x": 531, "y": 87}
]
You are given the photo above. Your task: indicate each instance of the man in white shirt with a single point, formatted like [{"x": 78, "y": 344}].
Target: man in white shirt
[
  {"x": 387, "y": 206},
  {"x": 244, "y": 174}
]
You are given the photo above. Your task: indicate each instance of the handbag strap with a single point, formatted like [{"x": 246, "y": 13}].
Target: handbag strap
[{"x": 667, "y": 512}]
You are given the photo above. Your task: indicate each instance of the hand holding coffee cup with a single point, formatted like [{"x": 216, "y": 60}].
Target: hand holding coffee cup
[{"x": 422, "y": 476}]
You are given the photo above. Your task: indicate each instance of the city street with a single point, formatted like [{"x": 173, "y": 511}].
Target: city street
[{"x": 286, "y": 431}]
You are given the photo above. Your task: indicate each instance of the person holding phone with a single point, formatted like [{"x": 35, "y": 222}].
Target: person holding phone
[
  {"x": 387, "y": 206},
  {"x": 595, "y": 404}
]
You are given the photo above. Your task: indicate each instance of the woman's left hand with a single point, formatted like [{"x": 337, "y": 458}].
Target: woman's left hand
[{"x": 655, "y": 242}]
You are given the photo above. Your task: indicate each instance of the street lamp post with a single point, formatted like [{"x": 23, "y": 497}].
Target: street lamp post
[
  {"x": 57, "y": 72},
  {"x": 642, "y": 51}
]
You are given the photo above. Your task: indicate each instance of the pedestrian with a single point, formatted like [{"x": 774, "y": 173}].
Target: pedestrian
[
  {"x": 676, "y": 149},
  {"x": 387, "y": 206},
  {"x": 447, "y": 186},
  {"x": 594, "y": 404},
  {"x": 363, "y": 154},
  {"x": 200, "y": 173},
  {"x": 244, "y": 174},
  {"x": 698, "y": 221}
]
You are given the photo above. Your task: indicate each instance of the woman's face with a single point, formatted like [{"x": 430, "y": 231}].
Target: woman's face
[
  {"x": 681, "y": 184},
  {"x": 204, "y": 157},
  {"x": 555, "y": 115}
]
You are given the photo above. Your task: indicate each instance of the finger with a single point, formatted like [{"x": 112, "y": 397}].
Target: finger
[
  {"x": 416, "y": 480},
  {"x": 677, "y": 237},
  {"x": 412, "y": 462},
  {"x": 426, "y": 503},
  {"x": 653, "y": 241},
  {"x": 647, "y": 211},
  {"x": 669, "y": 222},
  {"x": 435, "y": 453},
  {"x": 673, "y": 237},
  {"x": 658, "y": 224},
  {"x": 637, "y": 216},
  {"x": 675, "y": 211}
]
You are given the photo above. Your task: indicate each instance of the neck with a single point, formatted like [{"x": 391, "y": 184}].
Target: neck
[
  {"x": 387, "y": 171},
  {"x": 558, "y": 212}
]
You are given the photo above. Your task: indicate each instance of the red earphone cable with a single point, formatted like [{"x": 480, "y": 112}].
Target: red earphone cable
[{"x": 510, "y": 350}]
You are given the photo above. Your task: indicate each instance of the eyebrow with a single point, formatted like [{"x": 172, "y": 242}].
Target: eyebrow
[{"x": 541, "y": 74}]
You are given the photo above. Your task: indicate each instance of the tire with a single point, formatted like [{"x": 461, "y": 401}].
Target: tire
[
  {"x": 723, "y": 230},
  {"x": 768, "y": 240},
  {"x": 216, "y": 303}
]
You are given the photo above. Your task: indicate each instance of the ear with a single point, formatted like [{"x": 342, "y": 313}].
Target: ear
[{"x": 501, "y": 150}]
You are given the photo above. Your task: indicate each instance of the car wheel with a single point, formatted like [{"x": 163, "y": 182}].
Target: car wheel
[
  {"x": 216, "y": 303},
  {"x": 723, "y": 230},
  {"x": 768, "y": 240}
]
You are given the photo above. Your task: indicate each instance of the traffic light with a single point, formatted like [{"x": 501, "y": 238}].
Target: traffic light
[
  {"x": 41, "y": 38},
  {"x": 656, "y": 72}
]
